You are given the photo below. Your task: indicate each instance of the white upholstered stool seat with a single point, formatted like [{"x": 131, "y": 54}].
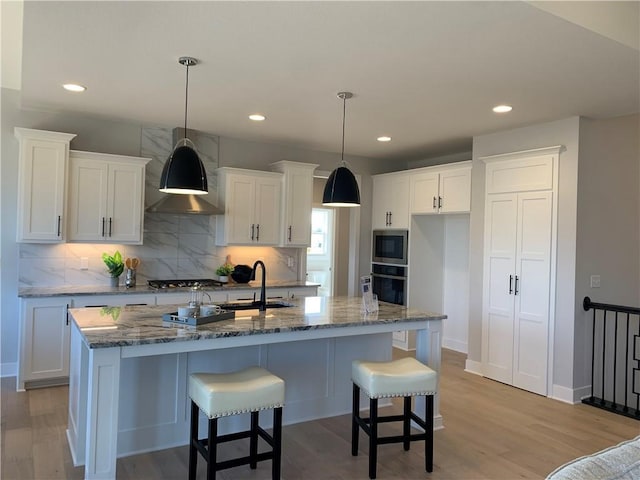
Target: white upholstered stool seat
[
  {"x": 397, "y": 378},
  {"x": 222, "y": 394},
  {"x": 249, "y": 390},
  {"x": 405, "y": 378}
]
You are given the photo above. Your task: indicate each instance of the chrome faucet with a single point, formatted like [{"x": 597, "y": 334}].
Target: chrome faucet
[{"x": 263, "y": 294}]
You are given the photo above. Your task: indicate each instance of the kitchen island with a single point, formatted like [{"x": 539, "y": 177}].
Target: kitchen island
[{"x": 129, "y": 369}]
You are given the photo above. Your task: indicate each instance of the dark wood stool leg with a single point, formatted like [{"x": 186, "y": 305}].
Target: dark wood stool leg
[
  {"x": 193, "y": 437},
  {"x": 355, "y": 413},
  {"x": 428, "y": 444},
  {"x": 212, "y": 457},
  {"x": 277, "y": 443},
  {"x": 373, "y": 437},
  {"x": 253, "y": 440},
  {"x": 406, "y": 423}
]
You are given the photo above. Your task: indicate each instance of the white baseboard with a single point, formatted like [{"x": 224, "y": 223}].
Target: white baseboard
[
  {"x": 9, "y": 369},
  {"x": 570, "y": 395},
  {"x": 474, "y": 367},
  {"x": 456, "y": 345}
]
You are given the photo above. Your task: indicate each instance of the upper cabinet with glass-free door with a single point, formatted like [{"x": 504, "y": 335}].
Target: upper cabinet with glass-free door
[
  {"x": 390, "y": 205},
  {"x": 106, "y": 198},
  {"x": 441, "y": 189},
  {"x": 42, "y": 179}
]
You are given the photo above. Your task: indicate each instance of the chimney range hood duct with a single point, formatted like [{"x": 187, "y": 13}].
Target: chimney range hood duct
[
  {"x": 180, "y": 203},
  {"x": 184, "y": 204}
]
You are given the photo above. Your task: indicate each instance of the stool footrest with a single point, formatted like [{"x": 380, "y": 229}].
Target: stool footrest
[
  {"x": 236, "y": 462},
  {"x": 400, "y": 438}
]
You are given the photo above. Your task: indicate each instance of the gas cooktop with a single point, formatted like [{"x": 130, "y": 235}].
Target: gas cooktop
[{"x": 203, "y": 282}]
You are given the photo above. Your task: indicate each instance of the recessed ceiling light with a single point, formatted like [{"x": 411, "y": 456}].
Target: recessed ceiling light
[
  {"x": 74, "y": 87},
  {"x": 384, "y": 138},
  {"x": 502, "y": 108},
  {"x": 257, "y": 117}
]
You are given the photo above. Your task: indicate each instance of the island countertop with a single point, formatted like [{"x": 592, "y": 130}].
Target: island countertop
[{"x": 140, "y": 325}]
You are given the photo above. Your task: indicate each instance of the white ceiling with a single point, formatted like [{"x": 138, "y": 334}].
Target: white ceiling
[{"x": 425, "y": 73}]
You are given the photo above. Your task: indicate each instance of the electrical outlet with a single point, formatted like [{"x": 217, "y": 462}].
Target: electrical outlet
[
  {"x": 84, "y": 263},
  {"x": 595, "y": 281},
  {"x": 289, "y": 261}
]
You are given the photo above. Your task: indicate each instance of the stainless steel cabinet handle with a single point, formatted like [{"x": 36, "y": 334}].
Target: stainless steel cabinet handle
[
  {"x": 103, "y": 219},
  {"x": 59, "y": 224},
  {"x": 258, "y": 232},
  {"x": 510, "y": 287},
  {"x": 515, "y": 292}
]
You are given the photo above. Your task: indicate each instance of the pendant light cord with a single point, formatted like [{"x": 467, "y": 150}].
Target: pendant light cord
[
  {"x": 344, "y": 114},
  {"x": 186, "y": 97}
]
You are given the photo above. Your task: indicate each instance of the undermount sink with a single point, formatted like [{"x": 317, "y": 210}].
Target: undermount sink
[{"x": 253, "y": 305}]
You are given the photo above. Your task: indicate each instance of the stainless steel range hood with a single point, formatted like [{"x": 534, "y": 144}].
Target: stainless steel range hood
[{"x": 184, "y": 204}]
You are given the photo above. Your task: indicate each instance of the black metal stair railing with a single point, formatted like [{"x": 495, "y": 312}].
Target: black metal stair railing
[{"x": 615, "y": 358}]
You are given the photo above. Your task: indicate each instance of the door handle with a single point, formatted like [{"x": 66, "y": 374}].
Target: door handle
[
  {"x": 103, "y": 219},
  {"x": 67, "y": 309},
  {"x": 252, "y": 230},
  {"x": 59, "y": 223},
  {"x": 109, "y": 226},
  {"x": 390, "y": 218},
  {"x": 439, "y": 202},
  {"x": 258, "y": 232},
  {"x": 289, "y": 232},
  {"x": 510, "y": 284},
  {"x": 386, "y": 219},
  {"x": 515, "y": 292},
  {"x": 434, "y": 203}
]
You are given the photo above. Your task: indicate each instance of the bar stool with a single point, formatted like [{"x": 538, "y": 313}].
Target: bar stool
[
  {"x": 406, "y": 378},
  {"x": 224, "y": 394}
]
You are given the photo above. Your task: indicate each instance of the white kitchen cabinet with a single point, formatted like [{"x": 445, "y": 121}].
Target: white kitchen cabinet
[
  {"x": 44, "y": 342},
  {"x": 296, "y": 204},
  {"x": 251, "y": 202},
  {"x": 441, "y": 189},
  {"x": 390, "y": 205},
  {"x": 42, "y": 178},
  {"x": 106, "y": 198},
  {"x": 519, "y": 272}
]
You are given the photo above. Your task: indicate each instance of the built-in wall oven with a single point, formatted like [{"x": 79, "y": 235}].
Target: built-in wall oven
[
  {"x": 389, "y": 265},
  {"x": 389, "y": 283}
]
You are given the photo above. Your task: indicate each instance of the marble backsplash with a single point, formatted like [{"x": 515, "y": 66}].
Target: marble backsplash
[{"x": 174, "y": 246}]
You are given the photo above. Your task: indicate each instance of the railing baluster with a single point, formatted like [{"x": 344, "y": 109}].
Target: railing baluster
[
  {"x": 604, "y": 353},
  {"x": 593, "y": 355},
  {"x": 626, "y": 374}
]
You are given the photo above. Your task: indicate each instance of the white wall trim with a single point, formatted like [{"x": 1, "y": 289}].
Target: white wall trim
[
  {"x": 9, "y": 369},
  {"x": 570, "y": 395},
  {"x": 471, "y": 366},
  {"x": 553, "y": 150},
  {"x": 455, "y": 344}
]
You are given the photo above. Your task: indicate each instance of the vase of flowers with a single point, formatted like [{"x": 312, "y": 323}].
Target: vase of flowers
[
  {"x": 115, "y": 266},
  {"x": 223, "y": 272}
]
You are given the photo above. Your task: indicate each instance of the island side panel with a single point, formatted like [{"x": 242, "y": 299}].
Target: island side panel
[
  {"x": 102, "y": 413},
  {"x": 428, "y": 351},
  {"x": 78, "y": 387}
]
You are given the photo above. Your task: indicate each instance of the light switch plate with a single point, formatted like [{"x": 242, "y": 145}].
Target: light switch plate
[{"x": 595, "y": 281}]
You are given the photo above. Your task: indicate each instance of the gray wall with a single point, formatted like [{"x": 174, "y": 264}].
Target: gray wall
[
  {"x": 608, "y": 235},
  {"x": 121, "y": 137}
]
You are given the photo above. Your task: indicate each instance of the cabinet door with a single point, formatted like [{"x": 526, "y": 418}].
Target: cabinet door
[
  {"x": 298, "y": 199},
  {"x": 125, "y": 197},
  {"x": 240, "y": 206},
  {"x": 380, "y": 202},
  {"x": 455, "y": 191},
  {"x": 42, "y": 178},
  {"x": 423, "y": 193},
  {"x": 88, "y": 219},
  {"x": 531, "y": 310},
  {"x": 267, "y": 210},
  {"x": 44, "y": 343},
  {"x": 499, "y": 280}
]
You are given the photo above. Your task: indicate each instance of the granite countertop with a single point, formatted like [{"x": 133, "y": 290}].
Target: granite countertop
[
  {"x": 140, "y": 325},
  {"x": 66, "y": 290}
]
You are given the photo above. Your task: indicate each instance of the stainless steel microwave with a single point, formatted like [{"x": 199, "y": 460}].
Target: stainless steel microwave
[{"x": 390, "y": 246}]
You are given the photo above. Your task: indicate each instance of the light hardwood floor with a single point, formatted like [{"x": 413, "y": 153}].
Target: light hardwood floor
[{"x": 492, "y": 431}]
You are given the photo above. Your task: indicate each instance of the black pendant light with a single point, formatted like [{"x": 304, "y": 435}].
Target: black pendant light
[
  {"x": 342, "y": 189},
  {"x": 183, "y": 171}
]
